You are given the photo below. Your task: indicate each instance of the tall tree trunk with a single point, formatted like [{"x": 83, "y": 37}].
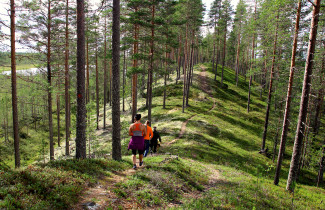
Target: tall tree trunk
[
  {"x": 116, "y": 125},
  {"x": 58, "y": 112},
  {"x": 81, "y": 103},
  {"x": 110, "y": 83},
  {"x": 135, "y": 76},
  {"x": 124, "y": 66},
  {"x": 67, "y": 82},
  {"x": 184, "y": 70},
  {"x": 304, "y": 98},
  {"x": 49, "y": 80},
  {"x": 237, "y": 56},
  {"x": 251, "y": 68},
  {"x": 190, "y": 72},
  {"x": 151, "y": 60},
  {"x": 270, "y": 86},
  {"x": 165, "y": 77},
  {"x": 218, "y": 56},
  {"x": 321, "y": 167},
  {"x": 87, "y": 70},
  {"x": 97, "y": 86},
  {"x": 14, "y": 83},
  {"x": 105, "y": 73},
  {"x": 224, "y": 51},
  {"x": 288, "y": 101}
]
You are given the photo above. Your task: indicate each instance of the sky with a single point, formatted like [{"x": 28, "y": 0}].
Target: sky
[{"x": 4, "y": 5}]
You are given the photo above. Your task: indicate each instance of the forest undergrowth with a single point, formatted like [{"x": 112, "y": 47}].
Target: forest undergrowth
[{"x": 214, "y": 164}]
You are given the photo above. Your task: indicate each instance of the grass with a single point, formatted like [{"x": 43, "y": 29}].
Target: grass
[{"x": 215, "y": 165}]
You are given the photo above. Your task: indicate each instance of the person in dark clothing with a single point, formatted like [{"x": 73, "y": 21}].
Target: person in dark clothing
[{"x": 154, "y": 140}]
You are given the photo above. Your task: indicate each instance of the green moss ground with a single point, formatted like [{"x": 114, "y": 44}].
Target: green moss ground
[{"x": 220, "y": 145}]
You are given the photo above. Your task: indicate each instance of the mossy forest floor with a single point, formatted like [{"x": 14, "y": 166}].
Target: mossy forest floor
[{"x": 208, "y": 160}]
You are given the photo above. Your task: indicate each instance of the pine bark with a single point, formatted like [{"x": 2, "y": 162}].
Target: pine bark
[
  {"x": 105, "y": 74},
  {"x": 150, "y": 70},
  {"x": 81, "y": 97},
  {"x": 116, "y": 124},
  {"x": 184, "y": 71},
  {"x": 67, "y": 82},
  {"x": 286, "y": 117},
  {"x": 135, "y": 76},
  {"x": 304, "y": 98},
  {"x": 270, "y": 87},
  {"x": 49, "y": 80},
  {"x": 251, "y": 67},
  {"x": 124, "y": 70},
  {"x": 14, "y": 83},
  {"x": 97, "y": 86}
]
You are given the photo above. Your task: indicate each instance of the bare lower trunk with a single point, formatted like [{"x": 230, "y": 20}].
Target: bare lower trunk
[
  {"x": 304, "y": 98},
  {"x": 49, "y": 80},
  {"x": 116, "y": 125},
  {"x": 105, "y": 75},
  {"x": 67, "y": 83},
  {"x": 14, "y": 83},
  {"x": 270, "y": 89},
  {"x": 81, "y": 102}
]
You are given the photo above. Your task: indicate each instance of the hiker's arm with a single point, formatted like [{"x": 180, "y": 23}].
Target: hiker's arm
[
  {"x": 130, "y": 131},
  {"x": 144, "y": 130},
  {"x": 151, "y": 134},
  {"x": 159, "y": 137}
]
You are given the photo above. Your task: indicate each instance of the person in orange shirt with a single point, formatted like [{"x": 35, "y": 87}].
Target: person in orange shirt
[
  {"x": 147, "y": 138},
  {"x": 137, "y": 130}
]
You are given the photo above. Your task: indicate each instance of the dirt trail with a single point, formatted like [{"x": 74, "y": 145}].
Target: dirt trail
[
  {"x": 103, "y": 196},
  {"x": 205, "y": 87}
]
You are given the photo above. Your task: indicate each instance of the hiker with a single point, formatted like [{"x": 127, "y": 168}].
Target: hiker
[
  {"x": 154, "y": 140},
  {"x": 147, "y": 138},
  {"x": 137, "y": 130}
]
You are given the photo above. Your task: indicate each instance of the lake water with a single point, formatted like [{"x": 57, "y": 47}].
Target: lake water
[{"x": 26, "y": 72}]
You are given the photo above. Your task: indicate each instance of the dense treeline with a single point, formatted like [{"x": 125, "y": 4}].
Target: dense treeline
[{"x": 266, "y": 41}]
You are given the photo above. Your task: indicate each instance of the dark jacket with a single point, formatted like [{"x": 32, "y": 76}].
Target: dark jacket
[{"x": 156, "y": 136}]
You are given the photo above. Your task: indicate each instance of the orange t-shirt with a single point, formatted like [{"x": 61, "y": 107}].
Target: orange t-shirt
[{"x": 149, "y": 133}]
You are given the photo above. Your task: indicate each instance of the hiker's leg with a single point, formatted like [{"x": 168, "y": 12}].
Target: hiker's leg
[
  {"x": 146, "y": 142},
  {"x": 134, "y": 156},
  {"x": 154, "y": 146}
]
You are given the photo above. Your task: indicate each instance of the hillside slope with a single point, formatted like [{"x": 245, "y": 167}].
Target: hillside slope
[{"x": 209, "y": 159}]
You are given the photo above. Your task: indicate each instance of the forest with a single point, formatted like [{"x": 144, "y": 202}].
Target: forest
[{"x": 235, "y": 89}]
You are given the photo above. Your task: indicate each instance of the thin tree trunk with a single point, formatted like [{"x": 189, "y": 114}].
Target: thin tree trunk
[
  {"x": 49, "y": 80},
  {"x": 135, "y": 76},
  {"x": 270, "y": 87},
  {"x": 286, "y": 121},
  {"x": 184, "y": 71},
  {"x": 151, "y": 61},
  {"x": 304, "y": 98},
  {"x": 251, "y": 68},
  {"x": 224, "y": 51},
  {"x": 218, "y": 55},
  {"x": 237, "y": 59},
  {"x": 165, "y": 78},
  {"x": 97, "y": 85},
  {"x": 105, "y": 74},
  {"x": 116, "y": 125},
  {"x": 87, "y": 70},
  {"x": 67, "y": 82},
  {"x": 124, "y": 65},
  {"x": 190, "y": 72},
  {"x": 14, "y": 83},
  {"x": 321, "y": 167},
  {"x": 58, "y": 112},
  {"x": 81, "y": 103}
]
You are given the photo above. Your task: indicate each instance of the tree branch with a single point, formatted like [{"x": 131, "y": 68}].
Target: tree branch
[{"x": 312, "y": 3}]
